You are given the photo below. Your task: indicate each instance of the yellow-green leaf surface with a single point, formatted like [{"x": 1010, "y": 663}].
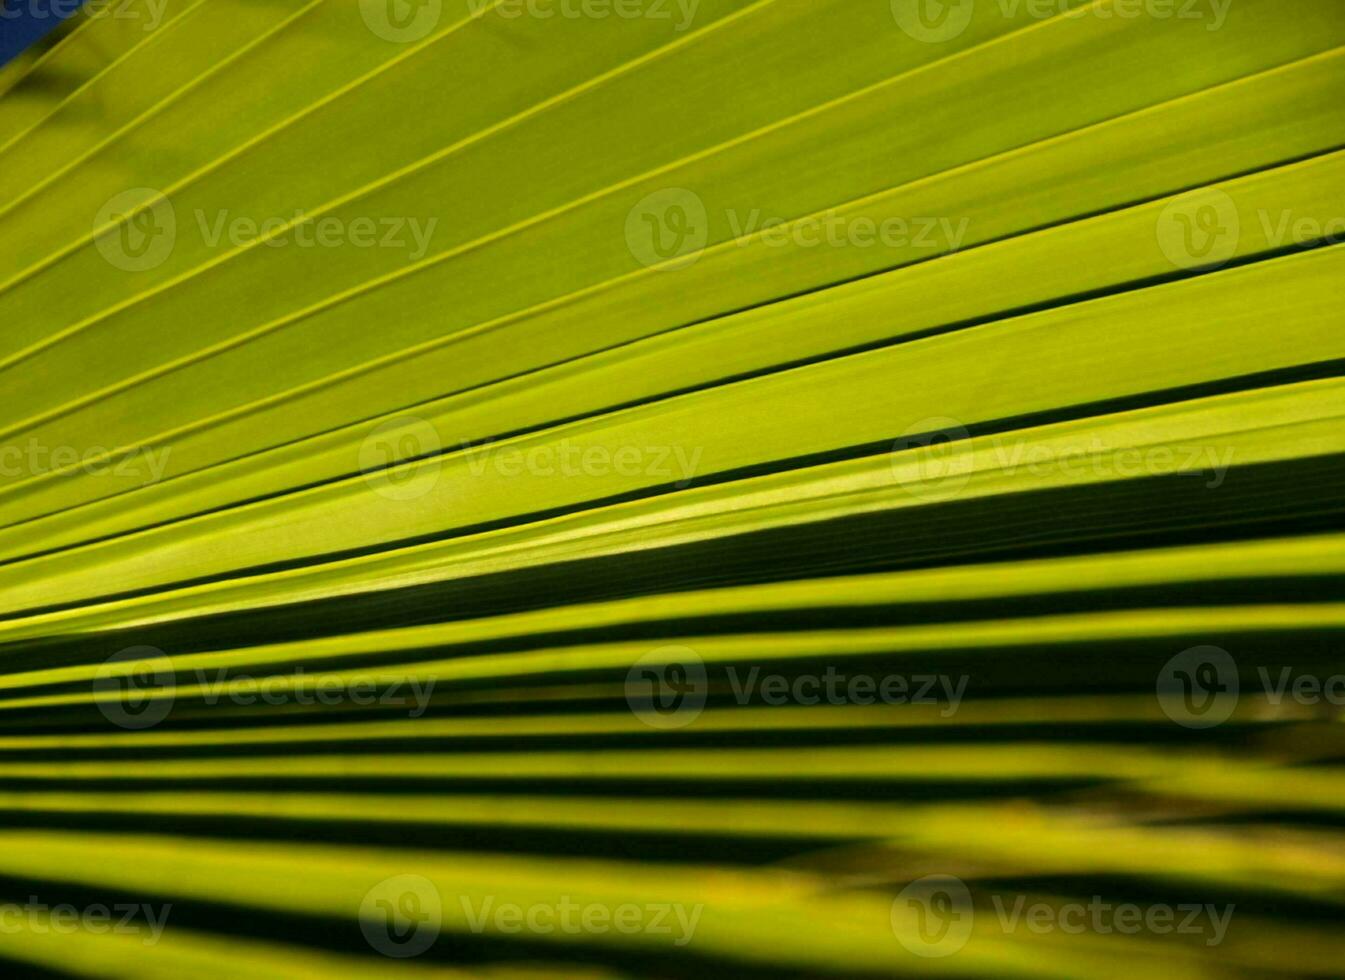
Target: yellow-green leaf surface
[{"x": 673, "y": 488}]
